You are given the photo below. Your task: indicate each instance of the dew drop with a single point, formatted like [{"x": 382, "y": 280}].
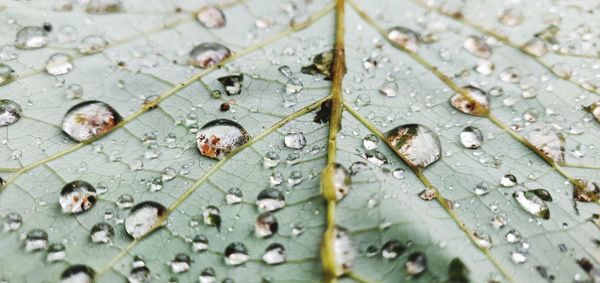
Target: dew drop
[
  {"x": 234, "y": 196},
  {"x": 232, "y": 84},
  {"x": 89, "y": 119},
  {"x": 270, "y": 200},
  {"x": 77, "y": 273},
  {"x": 392, "y": 249},
  {"x": 102, "y": 233},
  {"x": 236, "y": 254},
  {"x": 74, "y": 91},
  {"x": 31, "y": 37},
  {"x": 56, "y": 252},
  {"x": 6, "y": 73},
  {"x": 513, "y": 236},
  {"x": 375, "y": 157},
  {"x": 59, "y": 64},
  {"x": 532, "y": 203},
  {"x": 482, "y": 240},
  {"x": 593, "y": 109},
  {"x": 139, "y": 274},
  {"x": 208, "y": 54},
  {"x": 370, "y": 142},
  {"x": 511, "y": 17},
  {"x": 212, "y": 216},
  {"x": 398, "y": 173},
  {"x": 562, "y": 70},
  {"x": 416, "y": 263},
  {"x": 510, "y": 75},
  {"x": 181, "y": 263},
  {"x": 271, "y": 159},
  {"x": 92, "y": 44},
  {"x": 404, "y": 37},
  {"x": 471, "y": 137},
  {"x": 144, "y": 218},
  {"x": 535, "y": 47},
  {"x": 389, "y": 89},
  {"x": 219, "y": 137},
  {"x": 472, "y": 101},
  {"x": 77, "y": 197},
  {"x": 10, "y": 112},
  {"x": 295, "y": 140},
  {"x": 35, "y": 240},
  {"x": 508, "y": 180},
  {"x": 586, "y": 191},
  {"x": 208, "y": 275},
  {"x": 211, "y": 17},
  {"x": 200, "y": 243},
  {"x": 481, "y": 189},
  {"x": 125, "y": 201},
  {"x": 477, "y": 47},
  {"x": 485, "y": 67},
  {"x": 274, "y": 254},
  {"x": 415, "y": 142},
  {"x": 344, "y": 253},
  {"x": 12, "y": 222},
  {"x": 550, "y": 142}
]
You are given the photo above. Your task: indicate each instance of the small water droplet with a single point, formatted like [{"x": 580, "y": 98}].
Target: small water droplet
[
  {"x": 482, "y": 240},
  {"x": 77, "y": 197},
  {"x": 208, "y": 54},
  {"x": 593, "y": 109},
  {"x": 271, "y": 159},
  {"x": 472, "y": 101},
  {"x": 513, "y": 236},
  {"x": 535, "y": 47},
  {"x": 532, "y": 203},
  {"x": 392, "y": 249},
  {"x": 471, "y": 137},
  {"x": 219, "y": 137},
  {"x": 200, "y": 243},
  {"x": 550, "y": 142},
  {"x": 89, "y": 119},
  {"x": 125, "y": 201},
  {"x": 144, "y": 218},
  {"x": 102, "y": 233},
  {"x": 586, "y": 191},
  {"x": 12, "y": 222},
  {"x": 232, "y": 84},
  {"x": 139, "y": 274},
  {"x": 208, "y": 275},
  {"x": 477, "y": 47},
  {"x": 104, "y": 7},
  {"x": 234, "y": 196},
  {"x": 508, "y": 180},
  {"x": 6, "y": 74},
  {"x": 31, "y": 37},
  {"x": 404, "y": 37},
  {"x": 398, "y": 173},
  {"x": 181, "y": 263},
  {"x": 295, "y": 140},
  {"x": 236, "y": 254},
  {"x": 59, "y": 64},
  {"x": 510, "y": 75},
  {"x": 511, "y": 17},
  {"x": 416, "y": 263},
  {"x": 10, "y": 112},
  {"x": 212, "y": 216},
  {"x": 266, "y": 225},
  {"x": 211, "y": 17},
  {"x": 415, "y": 142},
  {"x": 481, "y": 189},
  {"x": 35, "y": 240},
  {"x": 270, "y": 200},
  {"x": 56, "y": 252},
  {"x": 274, "y": 254},
  {"x": 92, "y": 44},
  {"x": 77, "y": 273},
  {"x": 370, "y": 141}
]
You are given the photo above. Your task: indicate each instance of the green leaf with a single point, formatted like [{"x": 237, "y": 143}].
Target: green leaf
[{"x": 352, "y": 140}]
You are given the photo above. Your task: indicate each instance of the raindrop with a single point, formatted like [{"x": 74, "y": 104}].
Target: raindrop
[
  {"x": 104, "y": 6},
  {"x": 232, "y": 84},
  {"x": 12, "y": 221},
  {"x": 144, "y": 218},
  {"x": 208, "y": 54},
  {"x": 416, "y": 263},
  {"x": 102, "y": 233},
  {"x": 481, "y": 189},
  {"x": 562, "y": 70},
  {"x": 370, "y": 142},
  {"x": 471, "y": 137},
  {"x": 125, "y": 201},
  {"x": 295, "y": 140},
  {"x": 271, "y": 159},
  {"x": 56, "y": 252},
  {"x": 508, "y": 180},
  {"x": 67, "y": 33},
  {"x": 513, "y": 236},
  {"x": 211, "y": 17},
  {"x": 92, "y": 44},
  {"x": 212, "y": 216},
  {"x": 77, "y": 273},
  {"x": 236, "y": 253},
  {"x": 343, "y": 251},
  {"x": 586, "y": 191},
  {"x": 415, "y": 142},
  {"x": 392, "y": 249},
  {"x": 139, "y": 274},
  {"x": 357, "y": 167},
  {"x": 270, "y": 200},
  {"x": 266, "y": 225},
  {"x": 219, "y": 137},
  {"x": 322, "y": 64},
  {"x": 549, "y": 142},
  {"x": 404, "y": 37},
  {"x": 295, "y": 178},
  {"x": 398, "y": 173},
  {"x": 510, "y": 75},
  {"x": 375, "y": 157},
  {"x": 511, "y": 17},
  {"x": 389, "y": 89},
  {"x": 74, "y": 91},
  {"x": 234, "y": 196},
  {"x": 341, "y": 181},
  {"x": 36, "y": 239},
  {"x": 10, "y": 112},
  {"x": 274, "y": 254},
  {"x": 593, "y": 109},
  {"x": 477, "y": 47},
  {"x": 200, "y": 243},
  {"x": 518, "y": 257},
  {"x": 276, "y": 179},
  {"x": 298, "y": 228},
  {"x": 482, "y": 240},
  {"x": 6, "y": 73},
  {"x": 208, "y": 275},
  {"x": 59, "y": 64},
  {"x": 485, "y": 67},
  {"x": 89, "y": 119},
  {"x": 31, "y": 37},
  {"x": 77, "y": 197},
  {"x": 535, "y": 47},
  {"x": 532, "y": 203},
  {"x": 472, "y": 101},
  {"x": 181, "y": 263}
]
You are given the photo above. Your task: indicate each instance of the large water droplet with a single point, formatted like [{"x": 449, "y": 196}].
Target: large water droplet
[
  {"x": 404, "y": 37},
  {"x": 6, "y": 73},
  {"x": 77, "y": 273},
  {"x": 344, "y": 253},
  {"x": 104, "y": 6},
  {"x": 472, "y": 101},
  {"x": 236, "y": 254},
  {"x": 270, "y": 200},
  {"x": 211, "y": 17},
  {"x": 586, "y": 191},
  {"x": 594, "y": 109},
  {"x": 208, "y": 54},
  {"x": 144, "y": 218},
  {"x": 477, "y": 46},
  {"x": 89, "y": 119},
  {"x": 77, "y": 196},
  {"x": 59, "y": 64},
  {"x": 31, "y": 37},
  {"x": 416, "y": 263},
  {"x": 550, "y": 142},
  {"x": 274, "y": 254},
  {"x": 415, "y": 142},
  {"x": 10, "y": 112},
  {"x": 532, "y": 203},
  {"x": 219, "y": 137}
]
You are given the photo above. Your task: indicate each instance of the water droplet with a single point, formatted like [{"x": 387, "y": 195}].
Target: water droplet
[
  {"x": 562, "y": 70},
  {"x": 471, "y": 137},
  {"x": 415, "y": 142},
  {"x": 531, "y": 203},
  {"x": 125, "y": 201},
  {"x": 211, "y": 17},
  {"x": 276, "y": 179},
  {"x": 144, "y": 218},
  {"x": 200, "y": 243},
  {"x": 36, "y": 239},
  {"x": 341, "y": 181},
  {"x": 31, "y": 37},
  {"x": 518, "y": 257},
  {"x": 270, "y": 200},
  {"x": 481, "y": 189},
  {"x": 271, "y": 159},
  {"x": 77, "y": 197},
  {"x": 472, "y": 101},
  {"x": 208, "y": 54},
  {"x": 535, "y": 47},
  {"x": 404, "y": 37},
  {"x": 398, "y": 173},
  {"x": 181, "y": 263},
  {"x": 485, "y": 67},
  {"x": 510, "y": 75},
  {"x": 92, "y": 44},
  {"x": 89, "y": 119},
  {"x": 477, "y": 47},
  {"x": 508, "y": 180},
  {"x": 511, "y": 17},
  {"x": 428, "y": 194},
  {"x": 392, "y": 249},
  {"x": 295, "y": 140},
  {"x": 274, "y": 254},
  {"x": 295, "y": 178},
  {"x": 232, "y": 84},
  {"x": 66, "y": 34},
  {"x": 10, "y": 112},
  {"x": 104, "y": 6},
  {"x": 77, "y": 273},
  {"x": 102, "y": 233},
  {"x": 321, "y": 65},
  {"x": 139, "y": 274},
  {"x": 416, "y": 263},
  {"x": 266, "y": 225},
  {"x": 236, "y": 254},
  {"x": 389, "y": 89},
  {"x": 482, "y": 240},
  {"x": 593, "y": 109},
  {"x": 56, "y": 252},
  {"x": 234, "y": 196},
  {"x": 59, "y": 64},
  {"x": 344, "y": 253},
  {"x": 370, "y": 141},
  {"x": 12, "y": 221},
  {"x": 586, "y": 191},
  {"x": 375, "y": 157},
  {"x": 208, "y": 275},
  {"x": 74, "y": 91},
  {"x": 219, "y": 137},
  {"x": 6, "y": 73},
  {"x": 513, "y": 236},
  {"x": 550, "y": 142},
  {"x": 212, "y": 216}
]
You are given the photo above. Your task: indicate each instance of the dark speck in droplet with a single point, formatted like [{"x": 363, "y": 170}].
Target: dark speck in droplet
[
  {"x": 323, "y": 114},
  {"x": 47, "y": 27}
]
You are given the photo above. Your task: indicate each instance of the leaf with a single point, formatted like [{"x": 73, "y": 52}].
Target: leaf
[{"x": 262, "y": 157}]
